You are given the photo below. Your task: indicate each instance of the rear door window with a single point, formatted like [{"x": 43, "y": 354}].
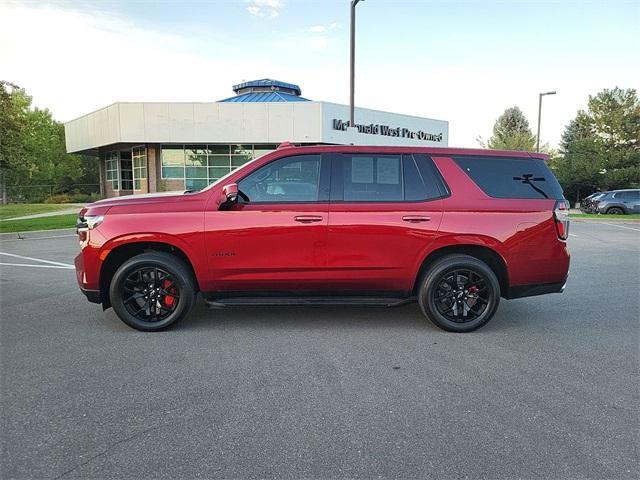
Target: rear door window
[
  {"x": 382, "y": 178},
  {"x": 503, "y": 177}
]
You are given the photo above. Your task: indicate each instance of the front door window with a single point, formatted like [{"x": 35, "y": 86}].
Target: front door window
[{"x": 291, "y": 179}]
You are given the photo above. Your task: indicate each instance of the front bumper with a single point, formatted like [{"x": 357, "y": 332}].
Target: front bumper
[{"x": 92, "y": 295}]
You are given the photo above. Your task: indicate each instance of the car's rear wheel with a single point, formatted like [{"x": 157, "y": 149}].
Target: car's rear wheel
[
  {"x": 615, "y": 211},
  {"x": 459, "y": 293},
  {"x": 151, "y": 291}
]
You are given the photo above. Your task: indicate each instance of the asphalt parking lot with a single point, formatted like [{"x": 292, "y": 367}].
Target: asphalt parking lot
[{"x": 548, "y": 389}]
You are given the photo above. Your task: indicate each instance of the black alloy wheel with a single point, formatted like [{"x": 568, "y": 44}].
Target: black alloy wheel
[
  {"x": 152, "y": 291},
  {"x": 459, "y": 293},
  {"x": 153, "y": 294},
  {"x": 615, "y": 211}
]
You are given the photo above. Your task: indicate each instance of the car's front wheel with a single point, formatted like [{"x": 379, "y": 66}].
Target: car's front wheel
[
  {"x": 459, "y": 293},
  {"x": 151, "y": 291}
]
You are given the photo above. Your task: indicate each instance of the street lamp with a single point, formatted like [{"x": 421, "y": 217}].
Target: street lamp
[
  {"x": 539, "y": 113},
  {"x": 353, "y": 61}
]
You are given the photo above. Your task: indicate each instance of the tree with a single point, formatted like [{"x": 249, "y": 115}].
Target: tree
[
  {"x": 511, "y": 132},
  {"x": 32, "y": 147},
  {"x": 599, "y": 149},
  {"x": 14, "y": 104}
]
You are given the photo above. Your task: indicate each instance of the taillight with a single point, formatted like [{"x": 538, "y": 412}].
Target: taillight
[{"x": 561, "y": 216}]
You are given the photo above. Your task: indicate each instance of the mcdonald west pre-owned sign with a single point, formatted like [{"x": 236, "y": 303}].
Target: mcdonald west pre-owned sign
[{"x": 380, "y": 129}]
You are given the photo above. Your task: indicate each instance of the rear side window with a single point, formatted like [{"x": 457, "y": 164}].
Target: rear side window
[
  {"x": 628, "y": 195},
  {"x": 381, "y": 178},
  {"x": 503, "y": 177}
]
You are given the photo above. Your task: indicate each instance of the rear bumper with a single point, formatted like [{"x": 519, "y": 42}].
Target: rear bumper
[{"x": 520, "y": 291}]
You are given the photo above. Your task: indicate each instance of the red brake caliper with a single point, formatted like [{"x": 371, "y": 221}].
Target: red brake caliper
[{"x": 167, "y": 300}]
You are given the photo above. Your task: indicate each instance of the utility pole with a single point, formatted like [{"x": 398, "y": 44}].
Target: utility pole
[
  {"x": 353, "y": 63},
  {"x": 539, "y": 116}
]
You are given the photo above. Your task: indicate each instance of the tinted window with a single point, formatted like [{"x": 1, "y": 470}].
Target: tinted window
[
  {"x": 290, "y": 179},
  {"x": 432, "y": 179},
  {"x": 414, "y": 188},
  {"x": 511, "y": 177},
  {"x": 372, "y": 178},
  {"x": 629, "y": 195}
]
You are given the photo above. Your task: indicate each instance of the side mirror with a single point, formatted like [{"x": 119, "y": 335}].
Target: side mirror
[{"x": 230, "y": 192}]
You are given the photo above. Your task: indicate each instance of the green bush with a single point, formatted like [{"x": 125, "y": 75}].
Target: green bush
[
  {"x": 73, "y": 197},
  {"x": 59, "y": 198}
]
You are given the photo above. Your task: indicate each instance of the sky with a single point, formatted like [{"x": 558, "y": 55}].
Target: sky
[{"x": 461, "y": 61}]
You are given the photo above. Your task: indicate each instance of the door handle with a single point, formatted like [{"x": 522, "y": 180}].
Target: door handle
[
  {"x": 308, "y": 218},
  {"x": 415, "y": 218}
]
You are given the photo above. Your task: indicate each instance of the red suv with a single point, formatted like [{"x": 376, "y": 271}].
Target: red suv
[{"x": 453, "y": 229}]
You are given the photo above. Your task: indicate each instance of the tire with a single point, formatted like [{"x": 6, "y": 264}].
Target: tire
[
  {"x": 129, "y": 291},
  {"x": 615, "y": 211},
  {"x": 439, "y": 291}
]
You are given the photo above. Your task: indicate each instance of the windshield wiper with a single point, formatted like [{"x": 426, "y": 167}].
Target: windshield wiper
[{"x": 528, "y": 179}]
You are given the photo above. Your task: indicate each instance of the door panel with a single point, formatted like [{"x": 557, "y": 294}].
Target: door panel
[
  {"x": 275, "y": 237},
  {"x": 371, "y": 247},
  {"x": 268, "y": 247},
  {"x": 375, "y": 246}
]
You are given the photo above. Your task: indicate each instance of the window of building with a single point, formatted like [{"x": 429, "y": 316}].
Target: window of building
[
  {"x": 290, "y": 179},
  {"x": 112, "y": 169},
  {"x": 172, "y": 161},
  {"x": 126, "y": 171},
  {"x": 139, "y": 157},
  {"x": 200, "y": 165}
]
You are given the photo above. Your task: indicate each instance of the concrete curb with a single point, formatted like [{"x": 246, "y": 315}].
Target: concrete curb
[
  {"x": 605, "y": 220},
  {"x": 38, "y": 234}
]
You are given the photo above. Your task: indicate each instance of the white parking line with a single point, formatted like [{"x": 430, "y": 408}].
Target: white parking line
[
  {"x": 621, "y": 226},
  {"x": 37, "y": 266},
  {"x": 66, "y": 265},
  {"x": 573, "y": 235}
]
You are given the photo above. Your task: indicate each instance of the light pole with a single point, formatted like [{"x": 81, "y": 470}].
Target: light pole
[
  {"x": 539, "y": 113},
  {"x": 353, "y": 62}
]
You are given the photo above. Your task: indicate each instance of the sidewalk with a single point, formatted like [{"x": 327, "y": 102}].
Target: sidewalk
[{"x": 73, "y": 208}]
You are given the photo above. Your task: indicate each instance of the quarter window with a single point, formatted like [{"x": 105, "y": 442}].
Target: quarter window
[
  {"x": 290, "y": 179},
  {"x": 501, "y": 177}
]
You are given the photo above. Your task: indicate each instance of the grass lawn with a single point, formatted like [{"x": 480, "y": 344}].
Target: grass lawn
[
  {"x": 21, "y": 209},
  {"x": 44, "y": 223},
  {"x": 635, "y": 216}
]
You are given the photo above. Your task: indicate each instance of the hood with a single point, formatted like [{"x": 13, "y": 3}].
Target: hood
[{"x": 141, "y": 198}]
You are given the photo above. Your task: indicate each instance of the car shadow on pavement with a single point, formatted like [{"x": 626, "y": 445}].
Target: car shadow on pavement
[{"x": 406, "y": 317}]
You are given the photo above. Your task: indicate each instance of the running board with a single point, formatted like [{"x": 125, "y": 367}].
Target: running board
[{"x": 307, "y": 301}]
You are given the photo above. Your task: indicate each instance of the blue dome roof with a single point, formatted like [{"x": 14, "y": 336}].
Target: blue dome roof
[{"x": 266, "y": 90}]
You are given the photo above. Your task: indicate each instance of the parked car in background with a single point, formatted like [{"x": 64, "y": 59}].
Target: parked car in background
[
  {"x": 453, "y": 229},
  {"x": 619, "y": 202},
  {"x": 588, "y": 204}
]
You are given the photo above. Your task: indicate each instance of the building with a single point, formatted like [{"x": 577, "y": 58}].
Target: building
[{"x": 150, "y": 147}]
